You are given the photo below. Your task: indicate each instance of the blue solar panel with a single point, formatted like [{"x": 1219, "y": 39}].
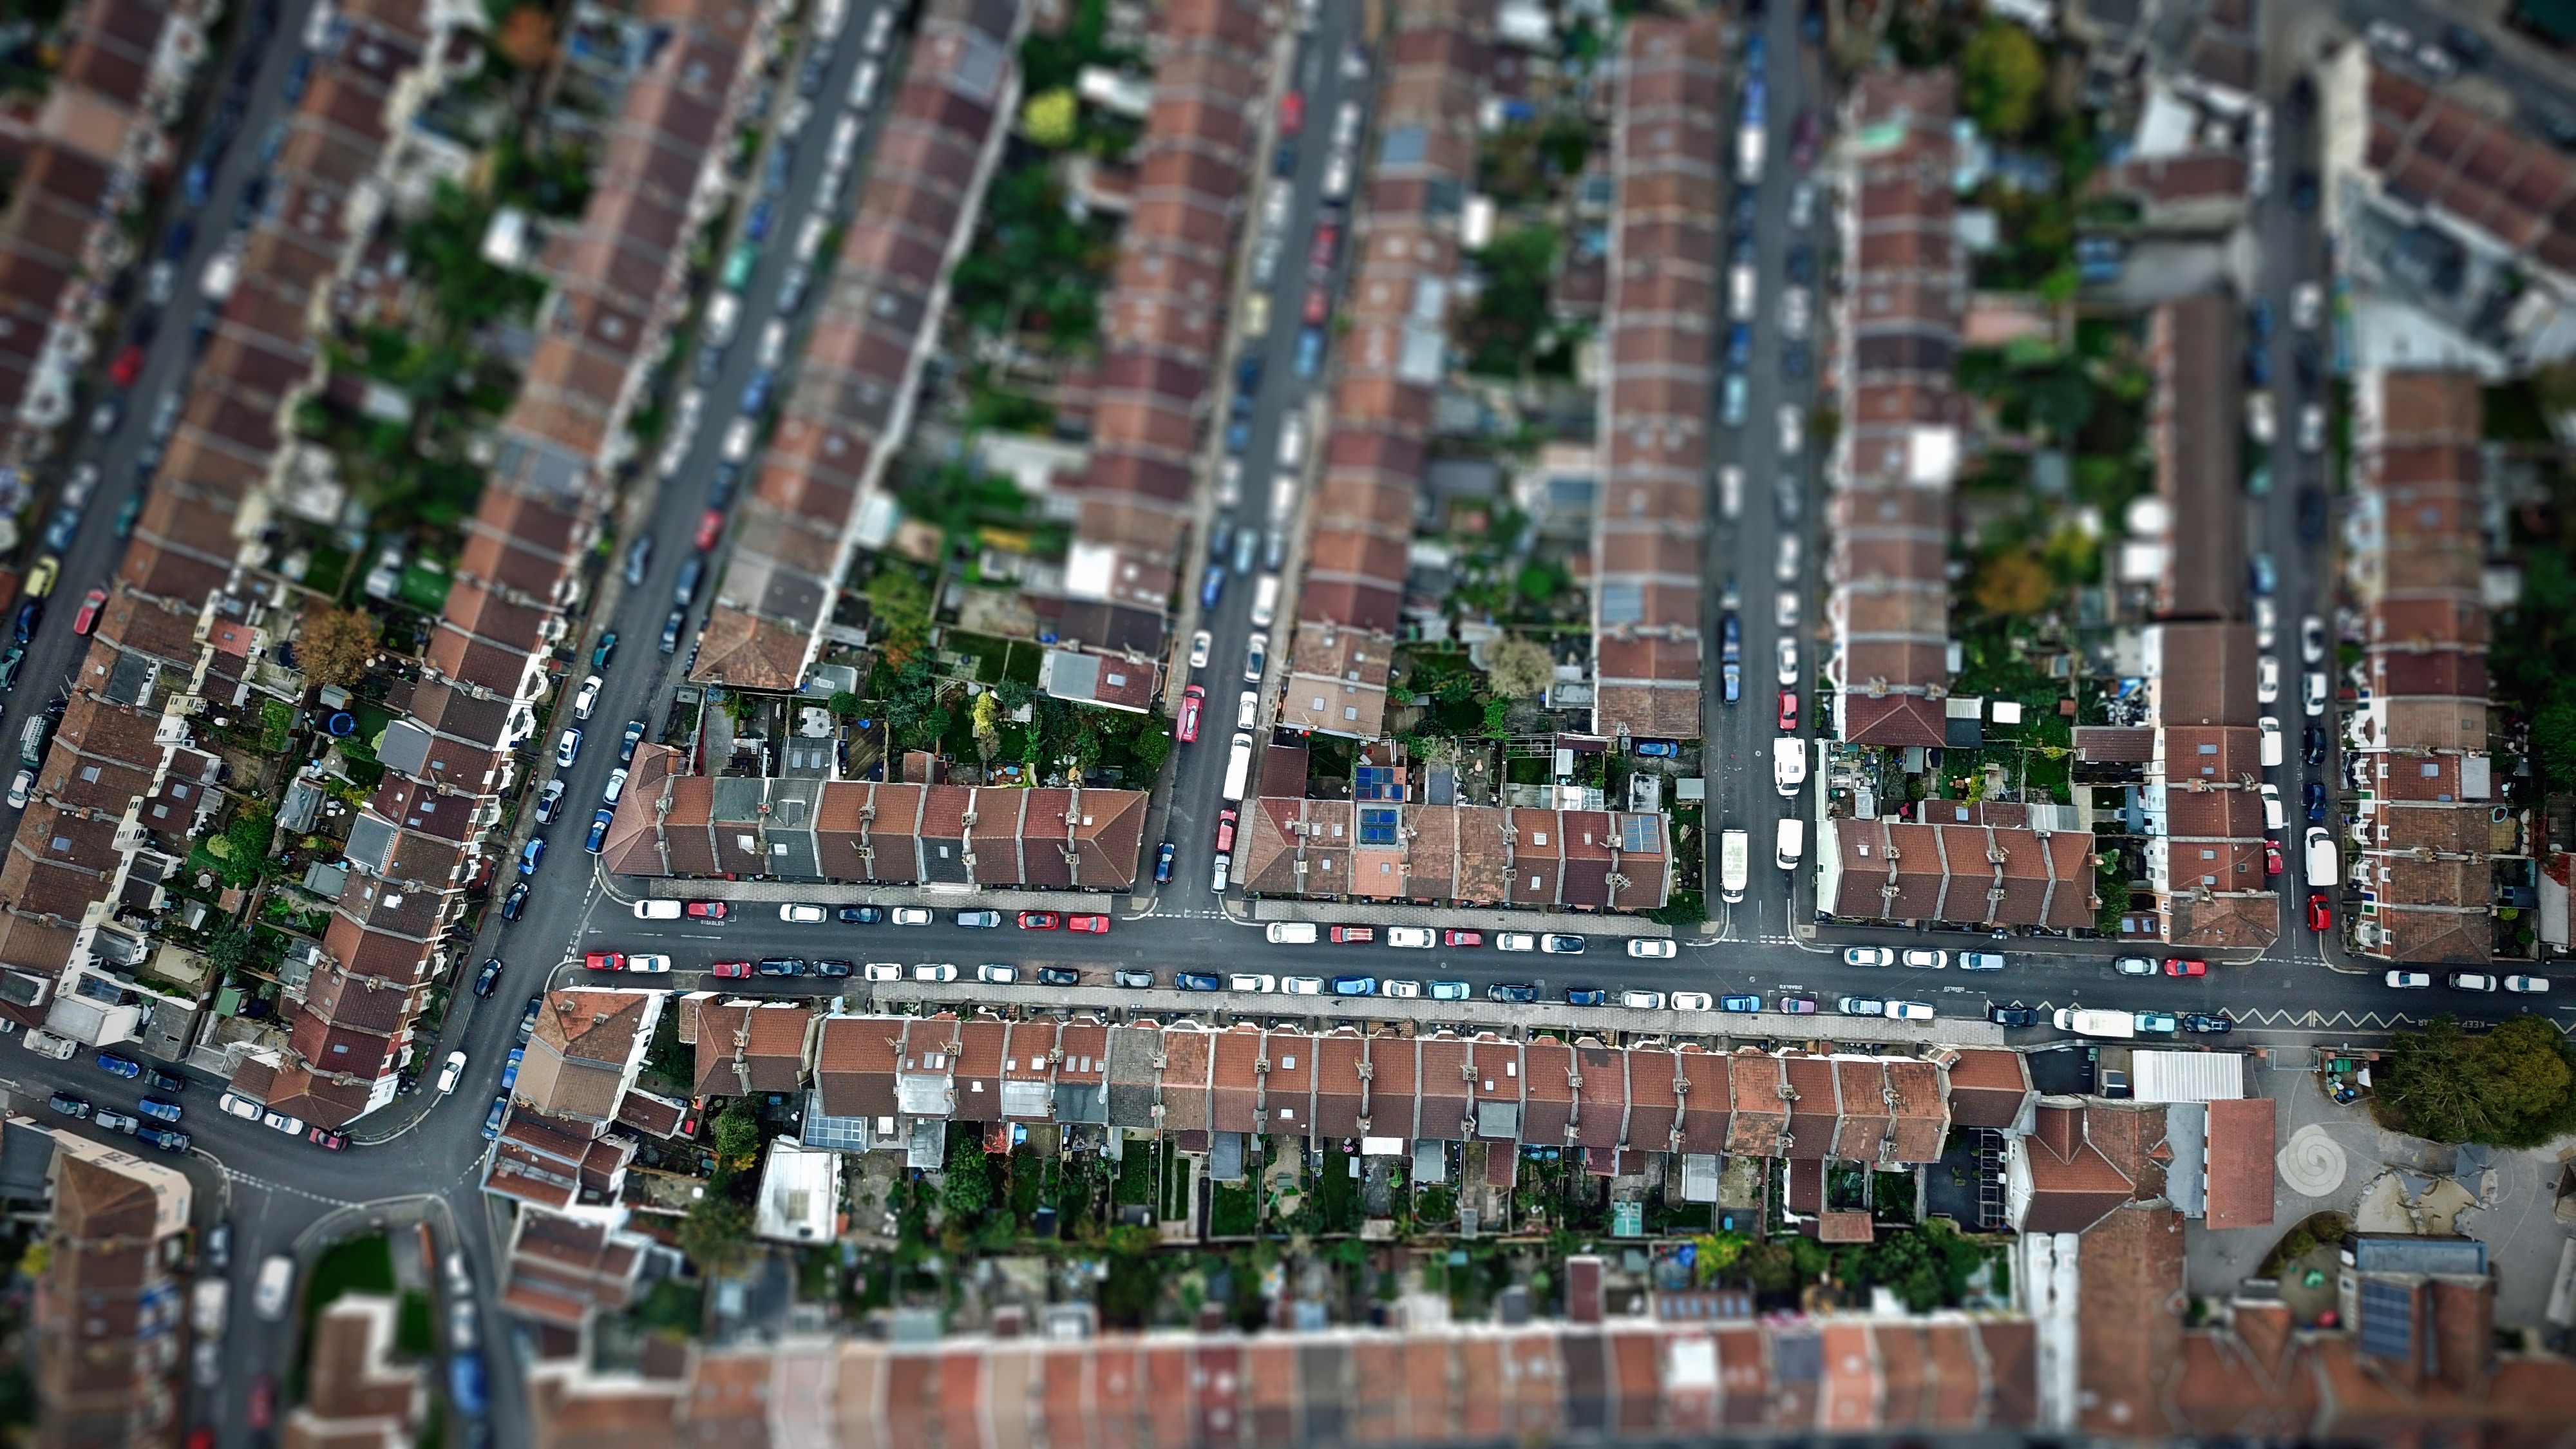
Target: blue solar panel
[
  {"x": 2387, "y": 1321},
  {"x": 1636, "y": 832},
  {"x": 1378, "y": 826}
]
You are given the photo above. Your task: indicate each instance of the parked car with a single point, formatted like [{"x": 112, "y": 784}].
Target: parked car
[
  {"x": 1519, "y": 993},
  {"x": 2408, "y": 980},
  {"x": 487, "y": 980},
  {"x": 1860, "y": 1005},
  {"x": 2185, "y": 966},
  {"x": 2134, "y": 965},
  {"x": 986, "y": 920},
  {"x": 861, "y": 915},
  {"x": 2527, "y": 985},
  {"x": 1868, "y": 956},
  {"x": 1462, "y": 939},
  {"x": 1926, "y": 958},
  {"x": 1586, "y": 996},
  {"x": 2012, "y": 1015},
  {"x": 798, "y": 913},
  {"x": 1058, "y": 976},
  {"x": 1652, "y": 948},
  {"x": 2206, "y": 1024},
  {"x": 1559, "y": 945}
]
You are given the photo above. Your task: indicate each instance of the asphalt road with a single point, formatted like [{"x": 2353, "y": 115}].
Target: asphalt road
[
  {"x": 1745, "y": 548},
  {"x": 1266, "y": 505}
]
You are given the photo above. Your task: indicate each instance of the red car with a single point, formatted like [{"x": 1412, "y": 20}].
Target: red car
[
  {"x": 325, "y": 1137},
  {"x": 1037, "y": 920},
  {"x": 1089, "y": 925},
  {"x": 2271, "y": 858},
  {"x": 1319, "y": 305},
  {"x": 2320, "y": 915},
  {"x": 1462, "y": 938},
  {"x": 710, "y": 528},
  {"x": 1327, "y": 236},
  {"x": 603, "y": 961},
  {"x": 730, "y": 969},
  {"x": 704, "y": 910},
  {"x": 201, "y": 1437},
  {"x": 1292, "y": 114},
  {"x": 1788, "y": 710},
  {"x": 1192, "y": 700},
  {"x": 1225, "y": 831},
  {"x": 87, "y": 618},
  {"x": 2177, "y": 966},
  {"x": 128, "y": 365},
  {"x": 263, "y": 1401},
  {"x": 1354, "y": 935}
]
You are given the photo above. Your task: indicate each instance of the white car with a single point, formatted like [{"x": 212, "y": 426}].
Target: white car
[
  {"x": 1868, "y": 956},
  {"x": 882, "y": 971},
  {"x": 1652, "y": 948},
  {"x": 1693, "y": 1001},
  {"x": 2267, "y": 679},
  {"x": 2312, "y": 428},
  {"x": 1256, "y": 658},
  {"x": 912, "y": 915},
  {"x": 648, "y": 963},
  {"x": 587, "y": 700},
  {"x": 1515, "y": 941},
  {"x": 19, "y": 786},
  {"x": 2135, "y": 965},
  {"x": 1793, "y": 430},
  {"x": 1252, "y": 981},
  {"x": 1784, "y": 565},
  {"x": 1200, "y": 643},
  {"x": 1303, "y": 985},
  {"x": 281, "y": 1122},
  {"x": 2269, "y": 731},
  {"x": 1920, "y": 957},
  {"x": 568, "y": 749},
  {"x": 1793, "y": 312},
  {"x": 2307, "y": 306},
  {"x": 1411, "y": 938},
  {"x": 241, "y": 1107},
  {"x": 451, "y": 1073},
  {"x": 2267, "y": 623},
  {"x": 2312, "y": 695},
  {"x": 1909, "y": 1011},
  {"x": 2274, "y": 816},
  {"x": 2409, "y": 980},
  {"x": 994, "y": 973},
  {"x": 2527, "y": 985},
  {"x": 1247, "y": 707},
  {"x": 1408, "y": 990},
  {"x": 1642, "y": 1000},
  {"x": 802, "y": 915},
  {"x": 1785, "y": 658},
  {"x": 1784, "y": 609},
  {"x": 2472, "y": 981},
  {"x": 940, "y": 971},
  {"x": 2312, "y": 639},
  {"x": 1981, "y": 961}
]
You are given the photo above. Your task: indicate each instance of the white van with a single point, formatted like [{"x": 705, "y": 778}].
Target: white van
[
  {"x": 1790, "y": 844},
  {"x": 1730, "y": 491},
  {"x": 1292, "y": 440},
  {"x": 657, "y": 910},
  {"x": 2324, "y": 864},
  {"x": 863, "y": 85},
  {"x": 1740, "y": 292},
  {"x": 1788, "y": 765},
  {"x": 276, "y": 1278},
  {"x": 1265, "y": 601},
  {"x": 2270, "y": 730},
  {"x": 1292, "y": 933},
  {"x": 723, "y": 311}
]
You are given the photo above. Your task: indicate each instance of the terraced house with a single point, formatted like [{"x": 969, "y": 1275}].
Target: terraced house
[{"x": 852, "y": 406}]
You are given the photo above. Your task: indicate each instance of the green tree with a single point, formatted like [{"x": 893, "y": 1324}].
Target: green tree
[
  {"x": 737, "y": 1133},
  {"x": 246, "y": 844},
  {"x": 2001, "y": 75},
  {"x": 716, "y": 1228},
  {"x": 1051, "y": 118},
  {"x": 2061, "y": 400},
  {"x": 1512, "y": 309},
  {"x": 2514, "y": 1086},
  {"x": 1151, "y": 745},
  {"x": 843, "y": 703},
  {"x": 2553, "y": 741},
  {"x": 230, "y": 951},
  {"x": 968, "y": 1190}
]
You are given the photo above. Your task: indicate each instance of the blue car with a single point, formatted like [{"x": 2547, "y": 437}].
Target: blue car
[
  {"x": 117, "y": 1066},
  {"x": 492, "y": 1119},
  {"x": 755, "y": 393},
  {"x": 1214, "y": 586},
  {"x": 183, "y": 235},
  {"x": 465, "y": 1383},
  {"x": 1739, "y": 1003},
  {"x": 1163, "y": 864},
  {"x": 1586, "y": 996},
  {"x": 1197, "y": 981},
  {"x": 61, "y": 529},
  {"x": 2266, "y": 576},
  {"x": 530, "y": 854},
  {"x": 155, "y": 1107},
  {"x": 2316, "y": 800},
  {"x": 1659, "y": 749},
  {"x": 1355, "y": 986},
  {"x": 163, "y": 1138},
  {"x": 1739, "y": 347},
  {"x": 764, "y": 212},
  {"x": 510, "y": 1073},
  {"x": 1310, "y": 352},
  {"x": 200, "y": 182},
  {"x": 598, "y": 830}
]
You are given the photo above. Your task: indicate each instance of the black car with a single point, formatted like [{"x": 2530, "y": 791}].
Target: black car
[
  {"x": 165, "y": 1081},
  {"x": 2314, "y": 739},
  {"x": 488, "y": 980},
  {"x": 528, "y": 1018},
  {"x": 1163, "y": 864},
  {"x": 604, "y": 650},
  {"x": 1586, "y": 996},
  {"x": 833, "y": 968},
  {"x": 1283, "y": 160},
  {"x": 2316, "y": 801},
  {"x": 1802, "y": 264},
  {"x": 30, "y": 614},
  {"x": 2207, "y": 1025},
  {"x": 1795, "y": 362},
  {"x": 1197, "y": 981},
  {"x": 781, "y": 966},
  {"x": 2308, "y": 360},
  {"x": 2560, "y": 128},
  {"x": 10, "y": 664},
  {"x": 515, "y": 902},
  {"x": 2312, "y": 513},
  {"x": 1132, "y": 980},
  {"x": 2469, "y": 45},
  {"x": 639, "y": 557},
  {"x": 1521, "y": 992},
  {"x": 626, "y": 743},
  {"x": 2303, "y": 193},
  {"x": 861, "y": 915},
  {"x": 1058, "y": 976},
  {"x": 2012, "y": 1015}
]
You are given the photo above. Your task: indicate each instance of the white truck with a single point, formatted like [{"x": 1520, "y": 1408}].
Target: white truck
[
  {"x": 2120, "y": 1024},
  {"x": 45, "y": 1044},
  {"x": 1238, "y": 769},
  {"x": 1735, "y": 858},
  {"x": 1788, "y": 765}
]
